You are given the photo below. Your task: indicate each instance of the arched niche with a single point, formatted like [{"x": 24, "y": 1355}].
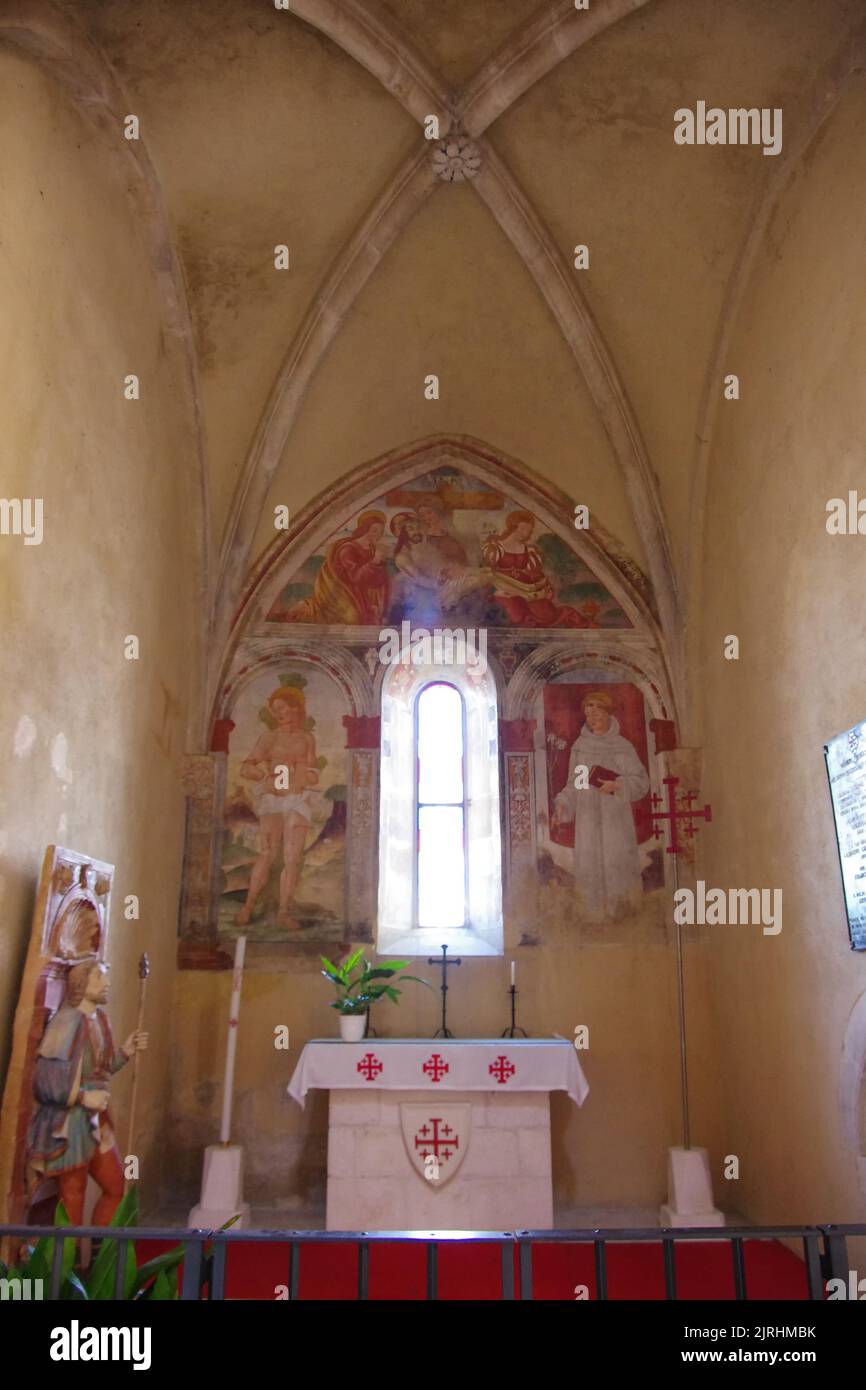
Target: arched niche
[
  {"x": 295, "y": 873},
  {"x": 543, "y": 720},
  {"x": 449, "y": 531}
]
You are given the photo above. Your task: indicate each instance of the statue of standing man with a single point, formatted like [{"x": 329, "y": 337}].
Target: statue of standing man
[{"x": 72, "y": 1135}]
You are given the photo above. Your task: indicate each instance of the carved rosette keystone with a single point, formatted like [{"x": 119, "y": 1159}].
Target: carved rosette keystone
[{"x": 456, "y": 158}]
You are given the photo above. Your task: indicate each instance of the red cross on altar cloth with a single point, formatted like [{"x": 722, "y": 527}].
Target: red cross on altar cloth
[
  {"x": 453, "y": 1064},
  {"x": 435, "y": 1068},
  {"x": 369, "y": 1066}
]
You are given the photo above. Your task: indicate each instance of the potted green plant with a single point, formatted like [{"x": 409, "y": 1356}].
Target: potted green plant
[{"x": 359, "y": 984}]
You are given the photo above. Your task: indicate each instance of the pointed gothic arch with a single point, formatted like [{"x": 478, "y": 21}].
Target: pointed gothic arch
[
  {"x": 361, "y": 489},
  {"x": 444, "y": 535}
]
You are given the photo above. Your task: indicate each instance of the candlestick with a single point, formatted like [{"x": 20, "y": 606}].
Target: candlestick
[
  {"x": 514, "y": 1030},
  {"x": 232, "y": 1042}
]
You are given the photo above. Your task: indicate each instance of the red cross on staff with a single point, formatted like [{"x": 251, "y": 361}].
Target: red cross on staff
[
  {"x": 676, "y": 813},
  {"x": 428, "y": 1145},
  {"x": 436, "y": 1067}
]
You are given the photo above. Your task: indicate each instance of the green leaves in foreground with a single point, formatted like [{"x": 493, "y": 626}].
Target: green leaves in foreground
[{"x": 156, "y": 1280}]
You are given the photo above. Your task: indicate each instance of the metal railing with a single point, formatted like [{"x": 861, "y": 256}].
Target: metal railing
[{"x": 825, "y": 1252}]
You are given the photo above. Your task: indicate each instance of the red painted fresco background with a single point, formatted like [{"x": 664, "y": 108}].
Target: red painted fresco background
[{"x": 564, "y": 719}]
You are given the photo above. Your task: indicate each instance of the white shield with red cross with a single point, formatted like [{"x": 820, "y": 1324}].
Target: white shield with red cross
[{"x": 436, "y": 1138}]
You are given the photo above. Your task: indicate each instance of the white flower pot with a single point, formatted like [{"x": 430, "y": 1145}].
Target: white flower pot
[{"x": 352, "y": 1027}]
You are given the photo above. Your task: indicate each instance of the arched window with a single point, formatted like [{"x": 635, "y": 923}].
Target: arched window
[
  {"x": 440, "y": 801},
  {"x": 439, "y": 835}
]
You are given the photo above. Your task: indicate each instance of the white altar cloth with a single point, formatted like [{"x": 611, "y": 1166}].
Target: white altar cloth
[{"x": 500, "y": 1065}]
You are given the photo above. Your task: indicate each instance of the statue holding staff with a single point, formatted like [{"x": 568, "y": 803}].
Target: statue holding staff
[{"x": 72, "y": 1134}]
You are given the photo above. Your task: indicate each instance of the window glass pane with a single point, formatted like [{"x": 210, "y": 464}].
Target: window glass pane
[
  {"x": 441, "y": 884},
  {"x": 440, "y": 745}
]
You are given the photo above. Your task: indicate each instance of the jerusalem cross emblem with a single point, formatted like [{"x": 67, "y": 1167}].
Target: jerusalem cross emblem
[{"x": 436, "y": 1139}]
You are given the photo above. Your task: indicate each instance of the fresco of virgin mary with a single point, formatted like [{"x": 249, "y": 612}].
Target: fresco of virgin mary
[{"x": 352, "y": 585}]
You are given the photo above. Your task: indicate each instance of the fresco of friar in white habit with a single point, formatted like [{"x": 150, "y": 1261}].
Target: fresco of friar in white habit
[{"x": 607, "y": 867}]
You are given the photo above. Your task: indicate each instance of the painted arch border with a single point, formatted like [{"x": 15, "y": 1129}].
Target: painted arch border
[
  {"x": 255, "y": 656},
  {"x": 334, "y": 507},
  {"x": 631, "y": 660}
]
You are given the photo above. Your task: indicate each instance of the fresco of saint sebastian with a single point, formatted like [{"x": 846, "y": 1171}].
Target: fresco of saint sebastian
[{"x": 284, "y": 812}]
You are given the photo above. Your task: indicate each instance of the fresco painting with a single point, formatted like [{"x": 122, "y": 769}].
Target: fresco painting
[
  {"x": 284, "y": 842},
  {"x": 446, "y": 547},
  {"x": 605, "y": 823}
]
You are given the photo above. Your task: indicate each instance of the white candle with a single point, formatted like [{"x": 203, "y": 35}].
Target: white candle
[
  {"x": 513, "y": 973},
  {"x": 232, "y": 1043}
]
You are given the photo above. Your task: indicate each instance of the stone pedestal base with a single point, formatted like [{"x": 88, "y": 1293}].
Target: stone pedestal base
[
  {"x": 690, "y": 1191},
  {"x": 504, "y": 1181},
  {"x": 222, "y": 1189}
]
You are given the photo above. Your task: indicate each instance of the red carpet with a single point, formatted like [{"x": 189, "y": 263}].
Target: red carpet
[{"x": 398, "y": 1271}]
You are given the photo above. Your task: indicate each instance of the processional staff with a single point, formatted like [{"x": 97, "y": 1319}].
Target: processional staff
[{"x": 143, "y": 972}]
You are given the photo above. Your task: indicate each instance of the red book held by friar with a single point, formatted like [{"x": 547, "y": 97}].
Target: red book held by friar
[{"x": 598, "y": 775}]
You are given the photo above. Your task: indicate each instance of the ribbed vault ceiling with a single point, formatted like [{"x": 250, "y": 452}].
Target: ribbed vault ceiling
[{"x": 303, "y": 127}]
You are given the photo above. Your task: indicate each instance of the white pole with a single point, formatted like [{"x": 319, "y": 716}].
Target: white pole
[{"x": 232, "y": 1043}]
